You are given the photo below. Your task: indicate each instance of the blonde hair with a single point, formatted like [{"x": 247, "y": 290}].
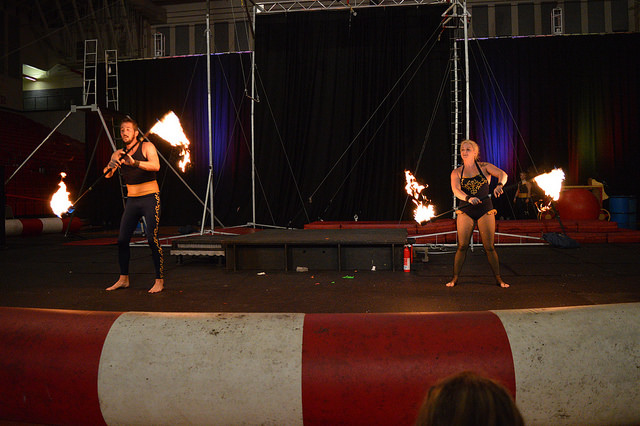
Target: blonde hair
[{"x": 474, "y": 145}]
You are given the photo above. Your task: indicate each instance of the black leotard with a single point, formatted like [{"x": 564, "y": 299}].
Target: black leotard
[{"x": 477, "y": 186}]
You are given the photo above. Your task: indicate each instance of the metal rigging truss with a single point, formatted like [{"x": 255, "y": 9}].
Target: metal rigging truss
[{"x": 300, "y": 5}]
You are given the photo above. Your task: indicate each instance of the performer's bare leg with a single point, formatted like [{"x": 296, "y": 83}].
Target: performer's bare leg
[
  {"x": 158, "y": 286},
  {"x": 123, "y": 282},
  {"x": 464, "y": 225},
  {"x": 487, "y": 228}
]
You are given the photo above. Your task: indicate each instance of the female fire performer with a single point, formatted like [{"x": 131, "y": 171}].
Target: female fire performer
[
  {"x": 522, "y": 197},
  {"x": 138, "y": 164},
  {"x": 470, "y": 183}
]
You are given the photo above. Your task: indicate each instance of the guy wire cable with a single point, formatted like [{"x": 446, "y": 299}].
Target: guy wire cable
[
  {"x": 184, "y": 105},
  {"x": 246, "y": 142},
  {"x": 245, "y": 80},
  {"x": 385, "y": 118},
  {"x": 495, "y": 82},
  {"x": 237, "y": 122},
  {"x": 286, "y": 156},
  {"x": 427, "y": 135},
  {"x": 255, "y": 167},
  {"x": 495, "y": 107},
  {"x": 246, "y": 33},
  {"x": 65, "y": 26},
  {"x": 236, "y": 108},
  {"x": 495, "y": 110},
  {"x": 378, "y": 107}
]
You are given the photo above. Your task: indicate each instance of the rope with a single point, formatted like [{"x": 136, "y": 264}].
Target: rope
[
  {"x": 378, "y": 107},
  {"x": 499, "y": 94},
  {"x": 443, "y": 85},
  {"x": 295, "y": 182}
]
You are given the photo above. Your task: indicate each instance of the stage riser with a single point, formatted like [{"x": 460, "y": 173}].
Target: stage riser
[
  {"x": 317, "y": 250},
  {"x": 314, "y": 258}
]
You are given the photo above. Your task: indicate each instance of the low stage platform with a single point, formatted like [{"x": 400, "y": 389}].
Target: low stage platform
[
  {"x": 316, "y": 249},
  {"x": 363, "y": 245}
]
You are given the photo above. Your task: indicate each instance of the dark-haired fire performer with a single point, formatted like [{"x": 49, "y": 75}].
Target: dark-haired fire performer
[
  {"x": 470, "y": 183},
  {"x": 138, "y": 163}
]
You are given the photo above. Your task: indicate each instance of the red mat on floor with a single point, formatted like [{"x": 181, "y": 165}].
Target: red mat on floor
[
  {"x": 107, "y": 241},
  {"x": 165, "y": 240},
  {"x": 442, "y": 230}
]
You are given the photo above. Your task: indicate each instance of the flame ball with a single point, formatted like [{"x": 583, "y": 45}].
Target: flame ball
[
  {"x": 170, "y": 129},
  {"x": 60, "y": 200},
  {"x": 551, "y": 183}
]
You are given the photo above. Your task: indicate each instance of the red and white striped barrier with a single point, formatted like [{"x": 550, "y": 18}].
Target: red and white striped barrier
[
  {"x": 564, "y": 365},
  {"x": 45, "y": 225}
]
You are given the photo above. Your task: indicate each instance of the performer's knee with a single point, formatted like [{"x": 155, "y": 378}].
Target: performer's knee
[{"x": 489, "y": 248}]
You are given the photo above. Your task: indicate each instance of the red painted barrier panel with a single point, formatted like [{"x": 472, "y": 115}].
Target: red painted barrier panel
[
  {"x": 50, "y": 365},
  {"x": 380, "y": 366}
]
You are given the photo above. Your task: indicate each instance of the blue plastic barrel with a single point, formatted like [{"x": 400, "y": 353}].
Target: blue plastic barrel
[{"x": 623, "y": 211}]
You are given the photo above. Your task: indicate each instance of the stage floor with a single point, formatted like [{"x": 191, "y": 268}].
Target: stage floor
[{"x": 44, "y": 272}]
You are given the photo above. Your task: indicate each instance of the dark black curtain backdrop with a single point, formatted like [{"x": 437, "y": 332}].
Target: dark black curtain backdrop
[
  {"x": 150, "y": 88},
  {"x": 345, "y": 104},
  {"x": 570, "y": 102},
  {"x": 346, "y": 100}
]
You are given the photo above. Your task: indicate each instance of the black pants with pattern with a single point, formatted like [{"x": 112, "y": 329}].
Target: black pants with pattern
[{"x": 147, "y": 206}]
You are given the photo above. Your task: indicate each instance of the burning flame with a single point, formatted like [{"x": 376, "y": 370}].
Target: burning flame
[
  {"x": 551, "y": 184},
  {"x": 169, "y": 129},
  {"x": 423, "y": 212},
  {"x": 60, "y": 200}
]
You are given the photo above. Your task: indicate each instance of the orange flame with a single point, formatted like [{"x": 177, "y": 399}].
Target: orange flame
[
  {"x": 423, "y": 212},
  {"x": 551, "y": 184},
  {"x": 60, "y": 200},
  {"x": 169, "y": 129}
]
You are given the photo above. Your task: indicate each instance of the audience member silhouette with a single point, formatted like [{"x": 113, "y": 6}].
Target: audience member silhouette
[{"x": 467, "y": 399}]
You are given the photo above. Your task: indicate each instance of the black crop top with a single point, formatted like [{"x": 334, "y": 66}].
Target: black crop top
[{"x": 134, "y": 175}]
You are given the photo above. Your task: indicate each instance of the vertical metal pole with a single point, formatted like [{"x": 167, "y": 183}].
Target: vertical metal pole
[
  {"x": 465, "y": 20},
  {"x": 465, "y": 17},
  {"x": 210, "y": 117},
  {"x": 209, "y": 195},
  {"x": 456, "y": 98},
  {"x": 253, "y": 96}
]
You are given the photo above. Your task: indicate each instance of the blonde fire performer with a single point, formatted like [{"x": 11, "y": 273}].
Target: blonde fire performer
[
  {"x": 470, "y": 183},
  {"x": 138, "y": 164}
]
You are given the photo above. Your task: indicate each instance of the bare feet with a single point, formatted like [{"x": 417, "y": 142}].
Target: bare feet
[
  {"x": 452, "y": 283},
  {"x": 123, "y": 282},
  {"x": 158, "y": 286},
  {"x": 502, "y": 284}
]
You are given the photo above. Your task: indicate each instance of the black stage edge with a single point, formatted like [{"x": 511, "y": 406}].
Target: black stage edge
[{"x": 316, "y": 249}]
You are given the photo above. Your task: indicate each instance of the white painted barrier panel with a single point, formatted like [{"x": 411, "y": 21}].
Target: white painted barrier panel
[
  {"x": 576, "y": 365},
  {"x": 202, "y": 369}
]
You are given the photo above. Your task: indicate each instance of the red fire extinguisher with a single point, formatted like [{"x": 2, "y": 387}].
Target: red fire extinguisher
[{"x": 407, "y": 258}]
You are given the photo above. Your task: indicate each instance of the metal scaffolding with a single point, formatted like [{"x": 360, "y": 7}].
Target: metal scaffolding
[
  {"x": 111, "y": 71},
  {"x": 90, "y": 71}
]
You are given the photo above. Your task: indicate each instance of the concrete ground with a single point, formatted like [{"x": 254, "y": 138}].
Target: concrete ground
[{"x": 44, "y": 272}]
